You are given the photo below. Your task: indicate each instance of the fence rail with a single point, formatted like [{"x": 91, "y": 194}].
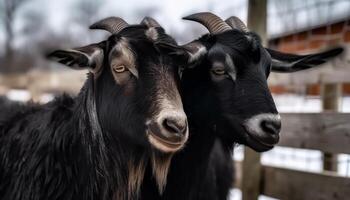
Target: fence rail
[
  {"x": 328, "y": 132},
  {"x": 292, "y": 184},
  {"x": 282, "y": 183}
]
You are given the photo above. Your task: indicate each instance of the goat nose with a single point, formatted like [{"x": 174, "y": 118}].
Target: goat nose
[
  {"x": 175, "y": 125},
  {"x": 271, "y": 125}
]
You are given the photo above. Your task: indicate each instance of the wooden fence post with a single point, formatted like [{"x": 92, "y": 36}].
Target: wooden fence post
[
  {"x": 251, "y": 175},
  {"x": 330, "y": 94},
  {"x": 251, "y": 168}
]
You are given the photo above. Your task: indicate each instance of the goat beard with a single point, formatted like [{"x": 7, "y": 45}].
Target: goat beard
[
  {"x": 160, "y": 166},
  {"x": 135, "y": 176}
]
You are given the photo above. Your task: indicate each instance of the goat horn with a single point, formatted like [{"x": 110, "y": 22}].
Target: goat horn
[
  {"x": 111, "y": 24},
  {"x": 150, "y": 22},
  {"x": 212, "y": 22},
  {"x": 236, "y": 23}
]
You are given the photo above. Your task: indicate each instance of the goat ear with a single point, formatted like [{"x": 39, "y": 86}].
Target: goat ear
[
  {"x": 189, "y": 53},
  {"x": 173, "y": 50},
  {"x": 87, "y": 57},
  {"x": 195, "y": 50},
  {"x": 150, "y": 22},
  {"x": 288, "y": 63}
]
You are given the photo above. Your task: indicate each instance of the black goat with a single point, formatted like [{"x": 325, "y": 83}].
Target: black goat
[
  {"x": 96, "y": 145},
  {"x": 7, "y": 108},
  {"x": 227, "y": 101}
]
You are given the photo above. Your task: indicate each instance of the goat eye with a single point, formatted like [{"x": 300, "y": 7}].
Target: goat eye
[
  {"x": 219, "y": 71},
  {"x": 119, "y": 68}
]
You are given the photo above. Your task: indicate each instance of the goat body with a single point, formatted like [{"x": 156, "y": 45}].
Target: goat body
[{"x": 51, "y": 152}]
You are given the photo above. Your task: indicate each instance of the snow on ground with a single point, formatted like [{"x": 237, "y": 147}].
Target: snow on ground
[
  {"x": 297, "y": 103},
  {"x": 236, "y": 194},
  {"x": 24, "y": 96},
  {"x": 18, "y": 95},
  {"x": 345, "y": 104}
]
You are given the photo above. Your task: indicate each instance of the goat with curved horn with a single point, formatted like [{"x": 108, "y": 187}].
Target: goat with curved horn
[
  {"x": 150, "y": 22},
  {"x": 236, "y": 23},
  {"x": 111, "y": 24},
  {"x": 212, "y": 22}
]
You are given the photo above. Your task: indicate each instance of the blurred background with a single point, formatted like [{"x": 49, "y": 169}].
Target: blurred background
[{"x": 314, "y": 146}]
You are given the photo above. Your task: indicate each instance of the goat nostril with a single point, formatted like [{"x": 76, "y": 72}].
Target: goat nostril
[
  {"x": 176, "y": 126},
  {"x": 271, "y": 126}
]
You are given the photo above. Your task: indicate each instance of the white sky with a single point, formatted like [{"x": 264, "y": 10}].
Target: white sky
[
  {"x": 58, "y": 13},
  {"x": 283, "y": 15}
]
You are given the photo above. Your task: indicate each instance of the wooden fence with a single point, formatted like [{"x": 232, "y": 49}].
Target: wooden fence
[{"x": 327, "y": 132}]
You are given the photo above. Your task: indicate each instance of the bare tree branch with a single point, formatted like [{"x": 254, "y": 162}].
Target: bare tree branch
[
  {"x": 87, "y": 10},
  {"x": 9, "y": 8}
]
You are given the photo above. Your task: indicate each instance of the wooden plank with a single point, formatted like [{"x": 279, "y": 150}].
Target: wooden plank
[
  {"x": 328, "y": 132},
  {"x": 251, "y": 175},
  {"x": 291, "y": 184},
  {"x": 257, "y": 15},
  {"x": 308, "y": 77},
  {"x": 330, "y": 162},
  {"x": 330, "y": 96},
  {"x": 237, "y": 182}
]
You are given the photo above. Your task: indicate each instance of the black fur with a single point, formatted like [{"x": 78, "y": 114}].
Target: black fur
[
  {"x": 47, "y": 152},
  {"x": 216, "y": 109},
  {"x": 8, "y": 107},
  {"x": 81, "y": 148}
]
